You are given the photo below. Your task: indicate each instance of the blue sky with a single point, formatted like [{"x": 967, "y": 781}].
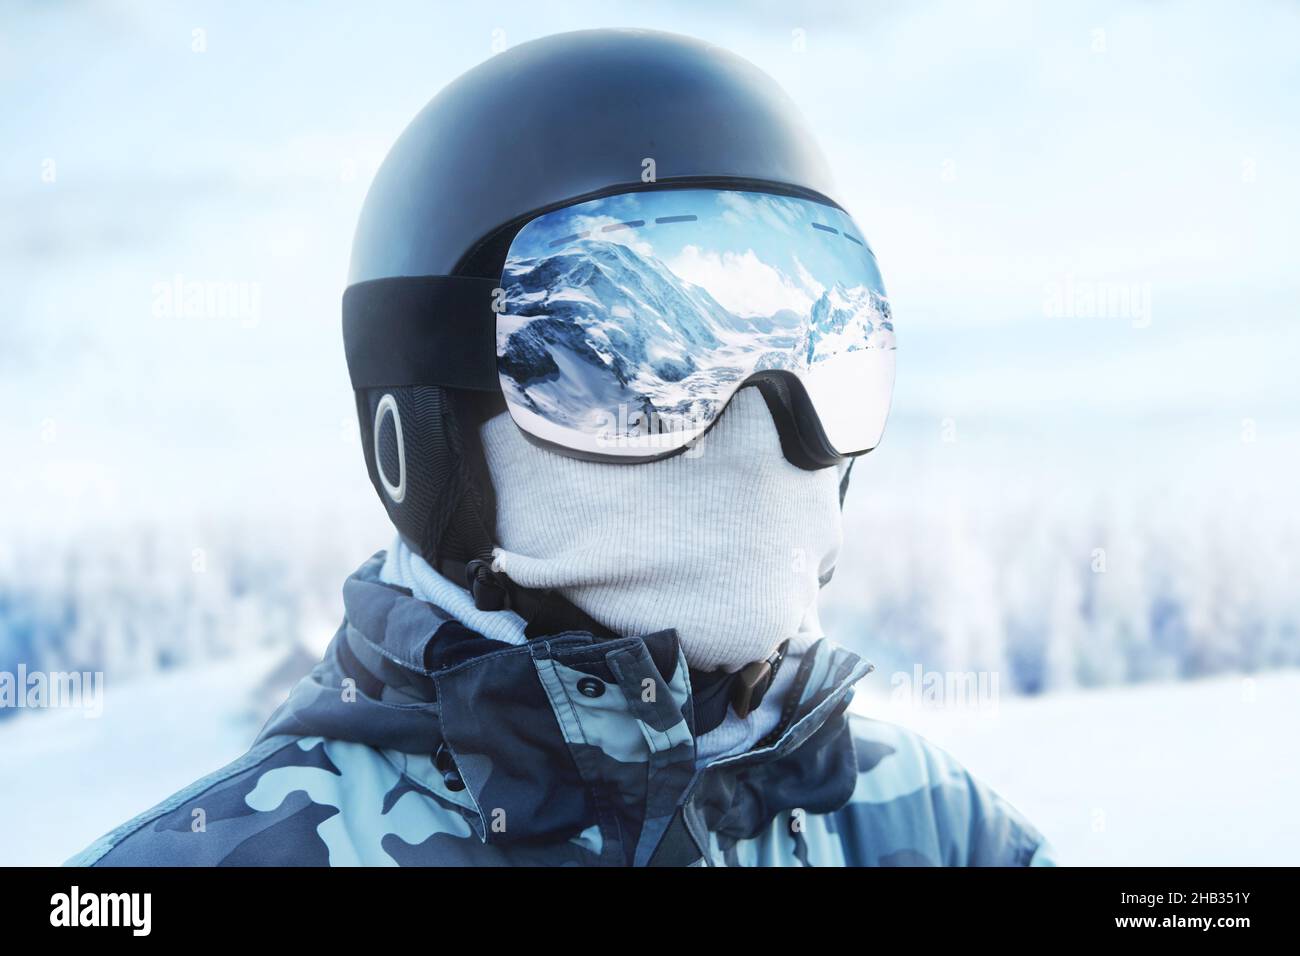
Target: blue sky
[{"x": 992, "y": 153}]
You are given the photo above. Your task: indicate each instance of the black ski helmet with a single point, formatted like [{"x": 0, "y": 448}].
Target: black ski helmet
[{"x": 542, "y": 125}]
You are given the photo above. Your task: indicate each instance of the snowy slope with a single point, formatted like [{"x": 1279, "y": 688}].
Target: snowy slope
[
  {"x": 65, "y": 780},
  {"x": 1201, "y": 772}
]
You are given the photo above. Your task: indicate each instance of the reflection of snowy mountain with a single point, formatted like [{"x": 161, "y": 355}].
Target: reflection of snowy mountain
[
  {"x": 844, "y": 320},
  {"x": 625, "y": 331}
]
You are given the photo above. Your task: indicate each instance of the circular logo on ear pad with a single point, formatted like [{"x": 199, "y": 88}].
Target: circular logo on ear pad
[{"x": 389, "y": 449}]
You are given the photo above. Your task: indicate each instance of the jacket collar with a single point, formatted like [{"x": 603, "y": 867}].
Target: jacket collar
[{"x": 573, "y": 735}]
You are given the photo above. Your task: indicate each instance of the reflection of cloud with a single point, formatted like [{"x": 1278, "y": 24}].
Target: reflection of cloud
[
  {"x": 740, "y": 281},
  {"x": 815, "y": 288},
  {"x": 746, "y": 209}
]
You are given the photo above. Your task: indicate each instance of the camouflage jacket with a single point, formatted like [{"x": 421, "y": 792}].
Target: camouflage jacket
[{"x": 417, "y": 741}]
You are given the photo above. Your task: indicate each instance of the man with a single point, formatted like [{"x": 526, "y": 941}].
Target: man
[{"x": 614, "y": 349}]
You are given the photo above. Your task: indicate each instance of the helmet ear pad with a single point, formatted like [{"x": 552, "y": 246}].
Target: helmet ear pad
[{"x": 426, "y": 464}]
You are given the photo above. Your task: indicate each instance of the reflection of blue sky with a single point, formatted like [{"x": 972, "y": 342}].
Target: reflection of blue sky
[{"x": 804, "y": 242}]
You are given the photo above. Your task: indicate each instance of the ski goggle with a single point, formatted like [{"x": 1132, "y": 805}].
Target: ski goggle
[{"x": 625, "y": 324}]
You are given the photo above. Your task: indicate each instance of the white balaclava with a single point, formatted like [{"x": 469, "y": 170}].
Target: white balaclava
[{"x": 725, "y": 543}]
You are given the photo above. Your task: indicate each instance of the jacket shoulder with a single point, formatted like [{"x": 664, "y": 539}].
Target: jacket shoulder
[
  {"x": 915, "y": 805},
  {"x": 134, "y": 843},
  {"x": 293, "y": 801}
]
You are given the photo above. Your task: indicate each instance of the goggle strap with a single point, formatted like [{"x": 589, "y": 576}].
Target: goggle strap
[{"x": 422, "y": 330}]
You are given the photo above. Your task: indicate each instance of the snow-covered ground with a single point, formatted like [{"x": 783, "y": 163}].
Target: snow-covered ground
[
  {"x": 1199, "y": 772},
  {"x": 66, "y": 780}
]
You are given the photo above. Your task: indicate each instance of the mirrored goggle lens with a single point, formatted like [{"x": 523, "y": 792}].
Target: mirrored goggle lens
[{"x": 628, "y": 322}]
